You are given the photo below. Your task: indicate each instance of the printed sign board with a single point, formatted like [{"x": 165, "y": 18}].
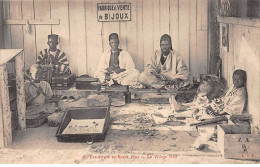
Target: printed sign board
[{"x": 109, "y": 12}]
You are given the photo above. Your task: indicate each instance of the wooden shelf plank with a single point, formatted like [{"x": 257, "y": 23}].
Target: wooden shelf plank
[
  {"x": 252, "y": 22},
  {"x": 8, "y": 54},
  {"x": 34, "y": 22}
]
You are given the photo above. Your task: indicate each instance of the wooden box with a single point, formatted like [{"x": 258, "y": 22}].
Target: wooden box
[
  {"x": 93, "y": 120},
  {"x": 236, "y": 142},
  {"x": 65, "y": 81},
  {"x": 85, "y": 83}
]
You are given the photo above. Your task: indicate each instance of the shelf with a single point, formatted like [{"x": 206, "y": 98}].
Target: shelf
[
  {"x": 251, "y": 22},
  {"x": 8, "y": 54}
]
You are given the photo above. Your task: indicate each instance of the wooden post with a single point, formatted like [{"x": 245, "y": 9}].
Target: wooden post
[
  {"x": 5, "y": 108},
  {"x": 21, "y": 107},
  {"x": 1, "y": 124}
]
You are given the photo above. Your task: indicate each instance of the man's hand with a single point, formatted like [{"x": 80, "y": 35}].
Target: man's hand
[
  {"x": 222, "y": 112},
  {"x": 163, "y": 77},
  {"x": 155, "y": 73},
  {"x": 119, "y": 70},
  {"x": 176, "y": 81},
  {"x": 107, "y": 77},
  {"x": 39, "y": 90},
  {"x": 109, "y": 70},
  {"x": 48, "y": 67}
]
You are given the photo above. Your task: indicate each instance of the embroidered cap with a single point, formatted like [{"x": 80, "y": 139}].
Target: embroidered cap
[
  {"x": 113, "y": 36},
  {"x": 53, "y": 36}
]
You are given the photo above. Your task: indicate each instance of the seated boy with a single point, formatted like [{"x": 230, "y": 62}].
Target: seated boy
[
  {"x": 54, "y": 58},
  {"x": 38, "y": 94}
]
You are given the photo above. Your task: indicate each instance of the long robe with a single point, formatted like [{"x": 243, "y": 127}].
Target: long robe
[
  {"x": 38, "y": 105},
  {"x": 57, "y": 58},
  {"x": 128, "y": 77},
  {"x": 174, "y": 67}
]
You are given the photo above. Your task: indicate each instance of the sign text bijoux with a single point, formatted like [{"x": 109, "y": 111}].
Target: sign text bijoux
[{"x": 107, "y": 12}]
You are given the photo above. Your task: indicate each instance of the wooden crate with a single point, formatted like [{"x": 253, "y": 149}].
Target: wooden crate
[{"x": 237, "y": 142}]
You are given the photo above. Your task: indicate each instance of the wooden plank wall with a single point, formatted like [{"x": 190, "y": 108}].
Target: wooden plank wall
[
  {"x": 244, "y": 53},
  {"x": 83, "y": 39},
  {"x": 1, "y": 25}
]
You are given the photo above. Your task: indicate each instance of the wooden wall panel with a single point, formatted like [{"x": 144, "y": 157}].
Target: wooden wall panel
[
  {"x": 174, "y": 23},
  {"x": 16, "y": 30},
  {"x": 184, "y": 30},
  {"x": 164, "y": 17},
  {"x": 250, "y": 56},
  {"x": 29, "y": 34},
  {"x": 147, "y": 30},
  {"x": 7, "y": 28},
  {"x": 83, "y": 38},
  {"x": 59, "y": 10},
  {"x": 112, "y": 27},
  {"x": 7, "y": 34},
  {"x": 123, "y": 32},
  {"x": 156, "y": 25},
  {"x": 94, "y": 37},
  {"x": 230, "y": 58},
  {"x": 78, "y": 36},
  {"x": 202, "y": 43},
  {"x": 42, "y": 11},
  {"x": 244, "y": 53},
  {"x": 140, "y": 43},
  {"x": 132, "y": 33},
  {"x": 193, "y": 40},
  {"x": 1, "y": 25}
]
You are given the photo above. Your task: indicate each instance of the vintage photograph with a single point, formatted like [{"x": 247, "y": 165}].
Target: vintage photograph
[{"x": 130, "y": 82}]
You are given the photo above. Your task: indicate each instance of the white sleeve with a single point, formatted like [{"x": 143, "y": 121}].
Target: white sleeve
[
  {"x": 237, "y": 104},
  {"x": 129, "y": 63},
  {"x": 101, "y": 69}
]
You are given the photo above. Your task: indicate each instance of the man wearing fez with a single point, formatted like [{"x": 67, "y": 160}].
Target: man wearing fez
[
  {"x": 53, "y": 57},
  {"x": 166, "y": 68},
  {"x": 116, "y": 66}
]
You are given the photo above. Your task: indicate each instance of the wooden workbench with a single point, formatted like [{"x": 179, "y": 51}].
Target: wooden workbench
[
  {"x": 119, "y": 90},
  {"x": 7, "y": 55}
]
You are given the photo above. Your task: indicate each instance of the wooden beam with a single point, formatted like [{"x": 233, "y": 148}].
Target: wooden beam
[
  {"x": 5, "y": 107},
  {"x": 21, "y": 107},
  {"x": 34, "y": 22},
  {"x": 252, "y": 22}
]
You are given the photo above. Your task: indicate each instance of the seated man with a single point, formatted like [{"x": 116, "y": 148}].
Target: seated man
[
  {"x": 116, "y": 65},
  {"x": 53, "y": 57},
  {"x": 38, "y": 94},
  {"x": 166, "y": 65}
]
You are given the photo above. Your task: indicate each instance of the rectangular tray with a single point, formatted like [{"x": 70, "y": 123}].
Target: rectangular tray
[{"x": 84, "y": 113}]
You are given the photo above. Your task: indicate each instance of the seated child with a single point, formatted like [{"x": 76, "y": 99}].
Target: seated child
[
  {"x": 232, "y": 104},
  {"x": 37, "y": 94},
  {"x": 234, "y": 100}
]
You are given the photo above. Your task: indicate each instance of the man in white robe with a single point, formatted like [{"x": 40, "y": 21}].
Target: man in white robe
[
  {"x": 166, "y": 65},
  {"x": 116, "y": 65}
]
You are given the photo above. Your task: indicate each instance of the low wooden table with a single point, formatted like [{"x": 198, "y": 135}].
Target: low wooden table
[{"x": 119, "y": 90}]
